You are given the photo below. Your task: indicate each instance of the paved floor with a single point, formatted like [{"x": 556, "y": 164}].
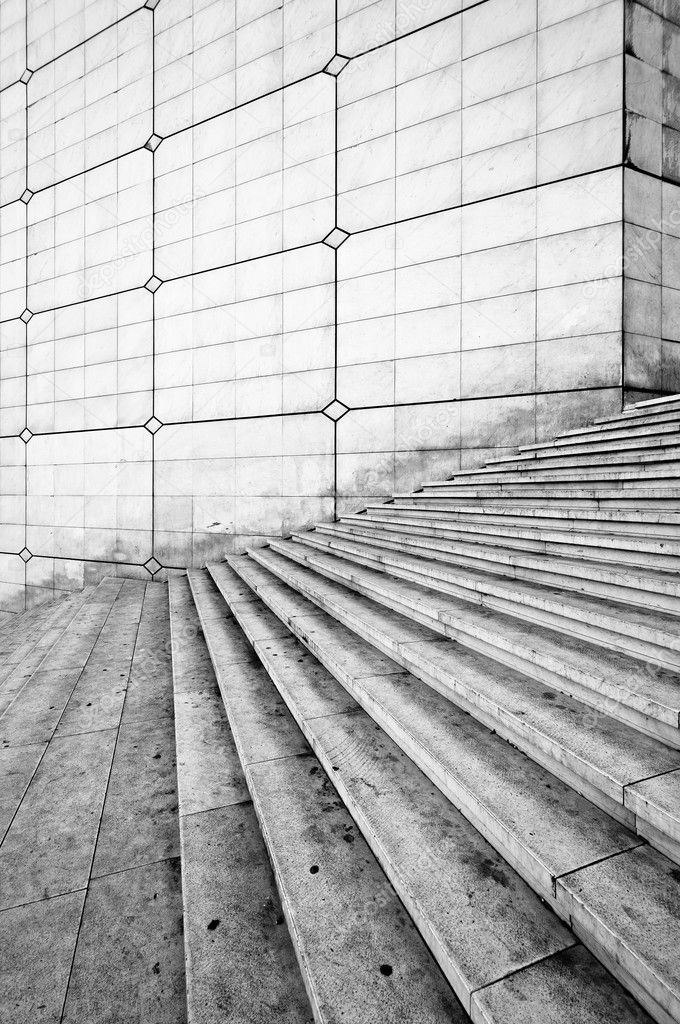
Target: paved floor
[{"x": 90, "y": 892}]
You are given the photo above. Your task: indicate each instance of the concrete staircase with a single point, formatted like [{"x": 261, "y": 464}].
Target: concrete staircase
[
  {"x": 427, "y": 763},
  {"x": 452, "y": 739}
]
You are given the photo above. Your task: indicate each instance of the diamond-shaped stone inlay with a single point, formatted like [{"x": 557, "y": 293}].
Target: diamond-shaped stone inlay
[
  {"x": 153, "y": 284},
  {"x": 335, "y": 410},
  {"x": 26, "y": 435},
  {"x": 336, "y": 64},
  {"x": 152, "y": 565},
  {"x": 335, "y": 238},
  {"x": 26, "y": 315},
  {"x": 26, "y": 196},
  {"x": 25, "y": 554},
  {"x": 26, "y": 76},
  {"x": 153, "y": 425},
  {"x": 153, "y": 142}
]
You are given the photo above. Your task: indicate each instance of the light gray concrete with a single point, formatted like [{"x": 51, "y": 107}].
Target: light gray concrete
[
  {"x": 93, "y": 791},
  {"x": 36, "y": 947},
  {"x": 239, "y": 963},
  {"x": 129, "y": 960}
]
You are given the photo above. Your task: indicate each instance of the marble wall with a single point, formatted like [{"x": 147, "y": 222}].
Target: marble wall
[{"x": 262, "y": 260}]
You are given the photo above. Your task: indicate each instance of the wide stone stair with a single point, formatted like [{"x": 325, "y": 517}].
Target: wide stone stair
[
  {"x": 448, "y": 782},
  {"x": 427, "y": 763}
]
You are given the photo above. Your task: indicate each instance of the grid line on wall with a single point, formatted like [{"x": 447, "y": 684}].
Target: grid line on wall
[{"x": 171, "y": 131}]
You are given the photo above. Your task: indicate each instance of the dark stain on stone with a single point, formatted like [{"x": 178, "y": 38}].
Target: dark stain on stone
[
  {"x": 386, "y": 970},
  {"x": 490, "y": 869},
  {"x": 213, "y": 924},
  {"x": 156, "y": 968},
  {"x": 675, "y": 874},
  {"x": 314, "y": 870}
]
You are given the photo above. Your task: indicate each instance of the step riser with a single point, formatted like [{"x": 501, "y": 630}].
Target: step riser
[
  {"x": 612, "y": 567},
  {"x": 553, "y": 759},
  {"x": 587, "y": 630}
]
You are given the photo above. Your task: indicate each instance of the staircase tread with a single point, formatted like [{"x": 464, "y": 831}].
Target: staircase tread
[
  {"x": 539, "y": 994},
  {"x": 344, "y": 918},
  {"x": 616, "y": 753},
  {"x": 652, "y": 902},
  {"x": 658, "y": 801},
  {"x": 209, "y": 772}
]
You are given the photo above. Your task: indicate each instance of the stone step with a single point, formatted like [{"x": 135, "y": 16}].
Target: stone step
[
  {"x": 609, "y": 427},
  {"x": 662, "y": 474},
  {"x": 641, "y": 417},
  {"x": 624, "y": 435},
  {"x": 597, "y": 755},
  {"x": 627, "y": 495},
  {"x": 636, "y": 630},
  {"x": 624, "y": 583},
  {"x": 657, "y": 452},
  {"x": 629, "y": 450},
  {"x": 356, "y": 946},
  {"x": 641, "y": 522},
  {"x": 533, "y": 533},
  {"x": 672, "y": 400},
  {"x": 502, "y": 793},
  {"x": 225, "y": 868},
  {"x": 426, "y": 848}
]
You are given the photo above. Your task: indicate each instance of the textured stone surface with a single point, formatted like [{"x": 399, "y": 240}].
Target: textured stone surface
[
  {"x": 97, "y": 798},
  {"x": 129, "y": 961},
  {"x": 36, "y": 946}
]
